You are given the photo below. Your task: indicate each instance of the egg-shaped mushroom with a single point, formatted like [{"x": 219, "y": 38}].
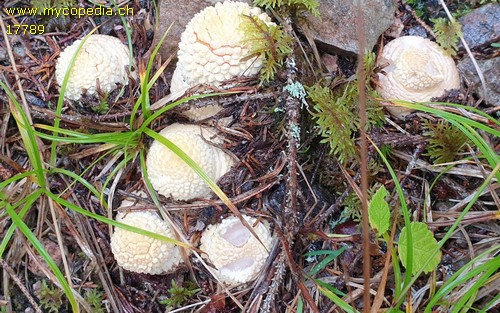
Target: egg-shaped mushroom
[
  {"x": 236, "y": 254},
  {"x": 171, "y": 176},
  {"x": 416, "y": 69},
  {"x": 102, "y": 61},
  {"x": 213, "y": 49},
  {"x": 141, "y": 253}
]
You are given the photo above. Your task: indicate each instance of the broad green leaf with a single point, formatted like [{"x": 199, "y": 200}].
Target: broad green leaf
[
  {"x": 424, "y": 245},
  {"x": 379, "y": 212}
]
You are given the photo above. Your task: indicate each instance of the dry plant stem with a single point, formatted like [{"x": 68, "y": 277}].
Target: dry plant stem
[
  {"x": 292, "y": 107},
  {"x": 79, "y": 120},
  {"x": 379, "y": 297},
  {"x": 421, "y": 164},
  {"x": 24, "y": 104},
  {"x": 20, "y": 285},
  {"x": 98, "y": 260},
  {"x": 322, "y": 216},
  {"x": 60, "y": 242},
  {"x": 276, "y": 283},
  {"x": 411, "y": 164},
  {"x": 361, "y": 75},
  {"x": 290, "y": 216},
  {"x": 466, "y": 46},
  {"x": 494, "y": 195}
]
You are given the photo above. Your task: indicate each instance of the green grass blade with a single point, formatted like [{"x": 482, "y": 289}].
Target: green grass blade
[
  {"x": 108, "y": 221},
  {"x": 16, "y": 219},
  {"x": 27, "y": 202},
  {"x": 16, "y": 177},
  {"x": 192, "y": 164},
  {"x": 27, "y": 134},
  {"x": 60, "y": 100},
  {"x": 465, "y": 273},
  {"x": 325, "y": 290},
  {"x": 452, "y": 229},
  {"x": 77, "y": 178},
  {"x": 164, "y": 109},
  {"x": 406, "y": 215},
  {"x": 330, "y": 256},
  {"x": 83, "y": 138}
]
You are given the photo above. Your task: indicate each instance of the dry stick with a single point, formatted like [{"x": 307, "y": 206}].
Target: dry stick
[
  {"x": 24, "y": 104},
  {"x": 364, "y": 158},
  {"x": 19, "y": 284},
  {"x": 466, "y": 46},
  {"x": 379, "y": 297}
]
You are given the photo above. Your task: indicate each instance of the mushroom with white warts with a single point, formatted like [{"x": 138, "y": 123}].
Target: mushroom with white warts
[
  {"x": 171, "y": 176},
  {"x": 236, "y": 254},
  {"x": 213, "y": 49},
  {"x": 102, "y": 60},
  {"x": 417, "y": 70},
  {"x": 141, "y": 253}
]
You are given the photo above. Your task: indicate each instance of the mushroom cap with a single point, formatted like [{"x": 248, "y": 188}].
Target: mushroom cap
[
  {"x": 171, "y": 176},
  {"x": 212, "y": 48},
  {"x": 237, "y": 255},
  {"x": 140, "y": 253},
  {"x": 102, "y": 57},
  {"x": 418, "y": 70}
]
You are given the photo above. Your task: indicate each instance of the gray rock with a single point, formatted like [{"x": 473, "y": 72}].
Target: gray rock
[
  {"x": 336, "y": 30},
  {"x": 481, "y": 26},
  {"x": 491, "y": 72},
  {"x": 180, "y": 14}
]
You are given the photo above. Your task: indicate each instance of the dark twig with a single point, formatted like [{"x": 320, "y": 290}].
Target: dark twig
[
  {"x": 20, "y": 284},
  {"x": 364, "y": 157}
]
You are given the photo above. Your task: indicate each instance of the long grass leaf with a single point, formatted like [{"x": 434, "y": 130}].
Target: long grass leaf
[
  {"x": 406, "y": 215},
  {"x": 60, "y": 100},
  {"x": 108, "y": 221},
  {"x": 26, "y": 204},
  {"x": 27, "y": 134},
  {"x": 16, "y": 219}
]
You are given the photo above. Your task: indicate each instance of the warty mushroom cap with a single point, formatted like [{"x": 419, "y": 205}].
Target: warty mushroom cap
[
  {"x": 171, "y": 176},
  {"x": 418, "y": 70},
  {"x": 140, "y": 253},
  {"x": 237, "y": 255},
  {"x": 212, "y": 49},
  {"x": 102, "y": 58}
]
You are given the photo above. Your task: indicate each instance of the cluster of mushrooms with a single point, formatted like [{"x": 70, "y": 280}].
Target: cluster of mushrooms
[{"x": 212, "y": 51}]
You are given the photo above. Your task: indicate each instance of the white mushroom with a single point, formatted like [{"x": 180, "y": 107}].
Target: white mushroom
[
  {"x": 171, "y": 176},
  {"x": 140, "y": 253},
  {"x": 236, "y": 254},
  {"x": 213, "y": 49},
  {"x": 418, "y": 70},
  {"x": 103, "y": 59}
]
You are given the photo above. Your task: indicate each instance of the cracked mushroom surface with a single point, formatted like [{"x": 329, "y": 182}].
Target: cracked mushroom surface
[
  {"x": 236, "y": 254},
  {"x": 417, "y": 70},
  {"x": 212, "y": 50},
  {"x": 171, "y": 176},
  {"x": 102, "y": 60},
  {"x": 140, "y": 253}
]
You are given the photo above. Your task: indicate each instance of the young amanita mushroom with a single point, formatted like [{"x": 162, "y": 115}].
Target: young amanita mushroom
[
  {"x": 417, "y": 70},
  {"x": 140, "y": 253},
  {"x": 171, "y": 176},
  {"x": 213, "y": 49},
  {"x": 236, "y": 254},
  {"x": 102, "y": 58}
]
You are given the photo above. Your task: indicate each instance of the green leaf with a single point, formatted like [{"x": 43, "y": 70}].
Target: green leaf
[
  {"x": 424, "y": 245},
  {"x": 379, "y": 212}
]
